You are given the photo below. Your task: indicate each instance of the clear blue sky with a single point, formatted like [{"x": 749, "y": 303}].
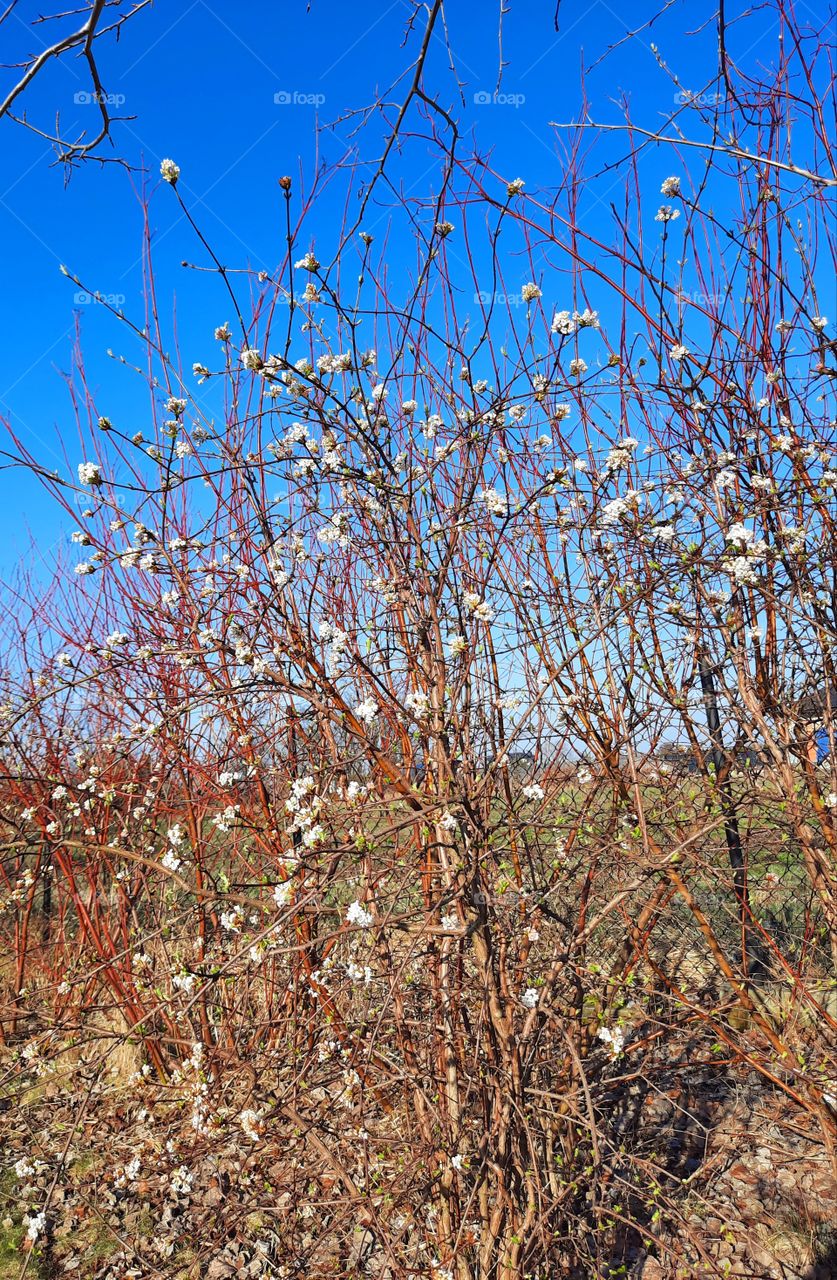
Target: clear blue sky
[{"x": 201, "y": 80}]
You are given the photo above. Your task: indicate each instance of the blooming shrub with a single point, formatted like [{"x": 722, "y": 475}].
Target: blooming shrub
[{"x": 348, "y": 808}]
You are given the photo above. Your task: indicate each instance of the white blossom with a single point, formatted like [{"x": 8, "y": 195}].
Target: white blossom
[
  {"x": 169, "y": 171},
  {"x": 494, "y": 502},
  {"x": 282, "y": 893},
  {"x": 563, "y": 323},
  {"x": 358, "y": 915},
  {"x": 614, "y": 1038},
  {"x": 366, "y": 710},
  {"x": 89, "y": 474},
  {"x": 36, "y": 1223},
  {"x": 251, "y": 358},
  {"x": 251, "y": 1124}
]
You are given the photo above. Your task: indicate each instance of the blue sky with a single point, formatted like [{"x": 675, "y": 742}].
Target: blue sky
[{"x": 202, "y": 82}]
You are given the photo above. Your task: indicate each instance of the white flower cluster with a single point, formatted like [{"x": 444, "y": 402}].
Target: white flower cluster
[
  {"x": 336, "y": 530},
  {"x": 417, "y": 703},
  {"x": 128, "y": 1174},
  {"x": 621, "y": 454},
  {"x": 232, "y": 920},
  {"x": 334, "y": 637},
  {"x": 494, "y": 502},
  {"x": 359, "y": 973},
  {"x": 175, "y": 837},
  {"x": 89, "y": 473},
  {"x": 614, "y": 1038},
  {"x": 282, "y": 893},
  {"x": 330, "y": 363},
  {"x": 565, "y": 322},
  {"x": 366, "y": 710},
  {"x": 386, "y": 588},
  {"x": 181, "y": 1181},
  {"x": 618, "y": 508},
  {"x": 479, "y": 607},
  {"x": 229, "y": 777},
  {"x": 358, "y": 915},
  {"x": 751, "y": 551},
  {"x": 252, "y": 1124},
  {"x": 227, "y": 818},
  {"x": 251, "y": 358},
  {"x": 171, "y": 861},
  {"x": 305, "y": 805},
  {"x": 35, "y": 1225}
]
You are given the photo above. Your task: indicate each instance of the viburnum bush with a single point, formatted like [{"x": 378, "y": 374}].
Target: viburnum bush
[{"x": 345, "y": 846}]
